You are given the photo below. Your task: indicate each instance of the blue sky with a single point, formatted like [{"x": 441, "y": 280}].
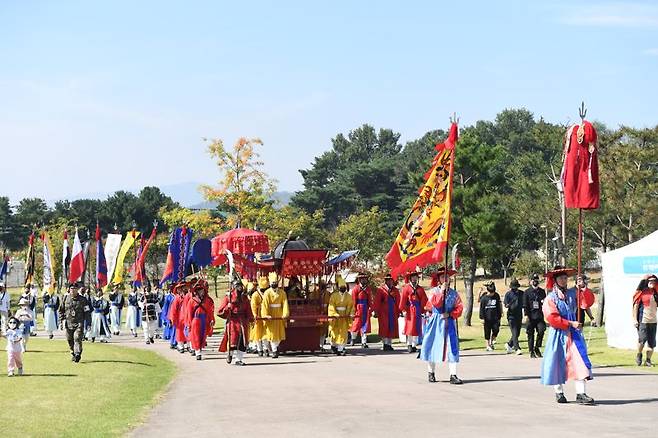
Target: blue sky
[{"x": 101, "y": 96}]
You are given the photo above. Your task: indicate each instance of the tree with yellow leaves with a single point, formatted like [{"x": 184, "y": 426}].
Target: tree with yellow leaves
[{"x": 244, "y": 184}]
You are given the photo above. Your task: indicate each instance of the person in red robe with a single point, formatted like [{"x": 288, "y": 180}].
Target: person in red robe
[
  {"x": 185, "y": 320},
  {"x": 387, "y": 310},
  {"x": 362, "y": 302},
  {"x": 177, "y": 315},
  {"x": 412, "y": 305},
  {"x": 586, "y": 299},
  {"x": 200, "y": 317},
  {"x": 235, "y": 308},
  {"x": 580, "y": 170}
]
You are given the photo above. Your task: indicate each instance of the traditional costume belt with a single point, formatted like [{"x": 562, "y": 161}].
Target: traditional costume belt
[
  {"x": 98, "y": 310},
  {"x": 275, "y": 305},
  {"x": 50, "y": 305},
  {"x": 341, "y": 308},
  {"x": 362, "y": 301}
]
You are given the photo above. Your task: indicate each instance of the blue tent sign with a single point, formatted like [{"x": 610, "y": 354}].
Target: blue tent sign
[{"x": 641, "y": 265}]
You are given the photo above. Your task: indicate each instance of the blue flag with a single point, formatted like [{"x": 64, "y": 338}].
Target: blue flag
[{"x": 3, "y": 270}]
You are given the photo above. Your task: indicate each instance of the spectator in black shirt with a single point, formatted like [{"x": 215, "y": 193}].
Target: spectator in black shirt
[
  {"x": 533, "y": 299},
  {"x": 514, "y": 304},
  {"x": 491, "y": 311}
]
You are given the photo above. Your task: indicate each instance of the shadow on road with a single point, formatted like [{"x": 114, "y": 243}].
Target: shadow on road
[
  {"x": 501, "y": 379},
  {"x": 281, "y": 363},
  {"x": 117, "y": 361},
  {"x": 626, "y": 402},
  {"x": 599, "y": 375}
]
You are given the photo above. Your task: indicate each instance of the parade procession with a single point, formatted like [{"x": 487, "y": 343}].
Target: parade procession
[
  {"x": 292, "y": 299},
  {"x": 329, "y": 219},
  {"x": 234, "y": 297}
]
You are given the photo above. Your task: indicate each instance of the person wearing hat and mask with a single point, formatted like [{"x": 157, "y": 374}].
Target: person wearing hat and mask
[
  {"x": 491, "y": 312},
  {"x": 99, "y": 326},
  {"x": 15, "y": 347},
  {"x": 50, "y": 306},
  {"x": 177, "y": 315},
  {"x": 514, "y": 304},
  {"x": 73, "y": 312},
  {"x": 117, "y": 302},
  {"x": 586, "y": 299},
  {"x": 167, "y": 328},
  {"x": 275, "y": 311},
  {"x": 4, "y": 307},
  {"x": 341, "y": 312},
  {"x": 257, "y": 328},
  {"x": 150, "y": 308},
  {"x": 86, "y": 292},
  {"x": 645, "y": 304},
  {"x": 320, "y": 295},
  {"x": 248, "y": 289},
  {"x": 412, "y": 302},
  {"x": 200, "y": 316},
  {"x": 235, "y": 308},
  {"x": 362, "y": 304},
  {"x": 30, "y": 295},
  {"x": 533, "y": 301},
  {"x": 24, "y": 316},
  {"x": 387, "y": 310},
  {"x": 440, "y": 339},
  {"x": 134, "y": 316},
  {"x": 565, "y": 355}
]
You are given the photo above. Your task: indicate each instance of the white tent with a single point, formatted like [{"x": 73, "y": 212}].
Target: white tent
[{"x": 623, "y": 269}]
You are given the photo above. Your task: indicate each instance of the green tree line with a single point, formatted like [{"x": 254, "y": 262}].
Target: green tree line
[{"x": 357, "y": 193}]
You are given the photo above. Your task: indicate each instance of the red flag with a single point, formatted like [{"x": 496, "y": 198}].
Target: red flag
[
  {"x": 580, "y": 170},
  {"x": 77, "y": 260},
  {"x": 139, "y": 268}
]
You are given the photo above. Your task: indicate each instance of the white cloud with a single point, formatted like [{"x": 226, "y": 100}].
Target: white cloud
[{"x": 629, "y": 15}]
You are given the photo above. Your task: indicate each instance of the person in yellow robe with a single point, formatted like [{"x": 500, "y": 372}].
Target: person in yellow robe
[
  {"x": 320, "y": 296},
  {"x": 257, "y": 329},
  {"x": 275, "y": 308},
  {"x": 342, "y": 309}
]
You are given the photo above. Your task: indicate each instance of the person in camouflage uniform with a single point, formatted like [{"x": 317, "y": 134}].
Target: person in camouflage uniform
[{"x": 73, "y": 312}]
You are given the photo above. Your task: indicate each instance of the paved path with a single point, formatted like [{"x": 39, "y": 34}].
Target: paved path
[{"x": 387, "y": 395}]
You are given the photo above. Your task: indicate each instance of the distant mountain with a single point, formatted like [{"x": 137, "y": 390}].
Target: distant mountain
[
  {"x": 205, "y": 205},
  {"x": 186, "y": 194},
  {"x": 281, "y": 200}
]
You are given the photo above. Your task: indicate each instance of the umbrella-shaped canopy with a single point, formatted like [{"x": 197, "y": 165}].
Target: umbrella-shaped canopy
[{"x": 240, "y": 241}]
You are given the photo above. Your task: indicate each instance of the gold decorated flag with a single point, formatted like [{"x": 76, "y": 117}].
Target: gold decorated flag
[
  {"x": 423, "y": 238},
  {"x": 48, "y": 265}
]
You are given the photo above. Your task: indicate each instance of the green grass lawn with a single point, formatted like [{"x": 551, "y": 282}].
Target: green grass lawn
[{"x": 105, "y": 394}]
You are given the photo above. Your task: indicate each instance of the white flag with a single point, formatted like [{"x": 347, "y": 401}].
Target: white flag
[{"x": 112, "y": 245}]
